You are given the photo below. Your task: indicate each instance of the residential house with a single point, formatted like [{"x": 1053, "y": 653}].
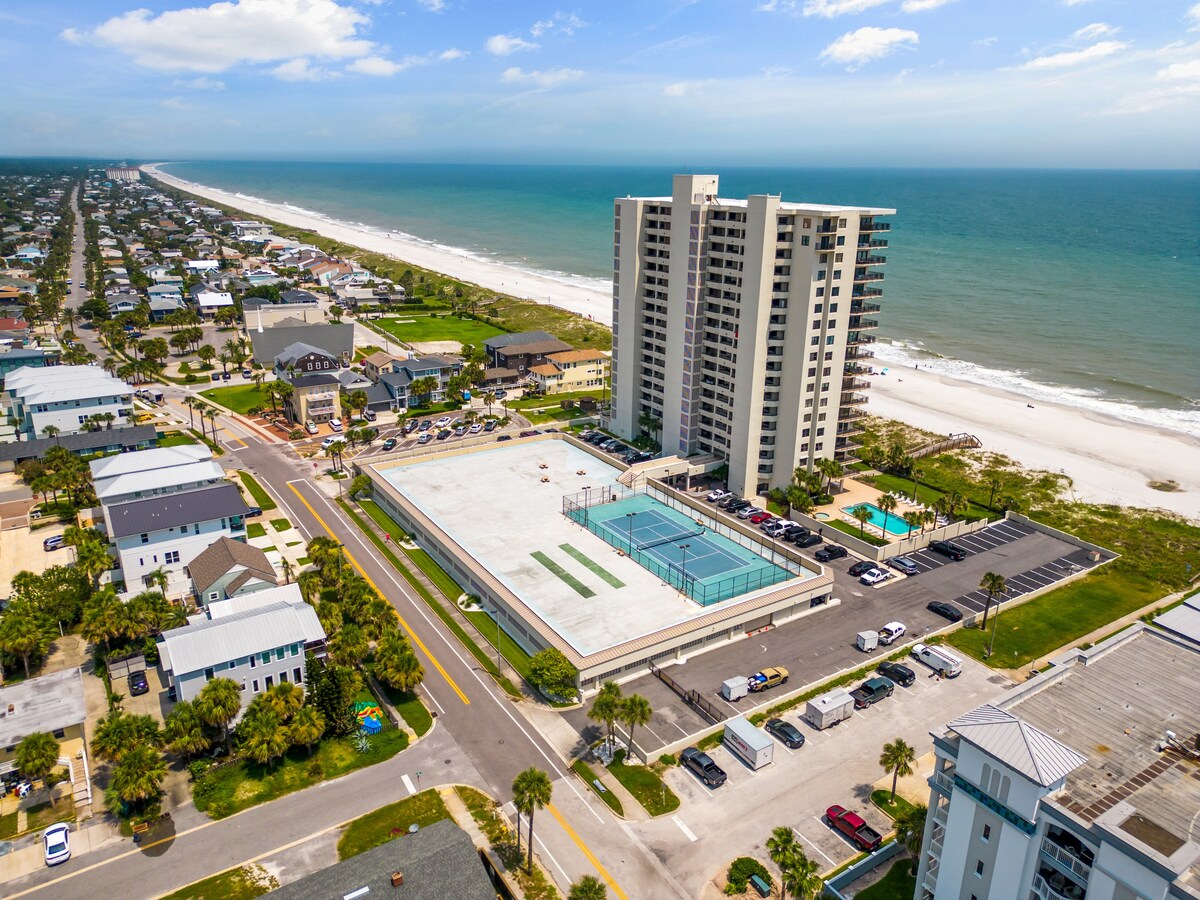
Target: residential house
[
  {"x": 304, "y": 359},
  {"x": 22, "y": 357},
  {"x": 335, "y": 339},
  {"x": 161, "y": 307},
  {"x": 378, "y": 395},
  {"x": 169, "y": 531},
  {"x": 500, "y": 341},
  {"x": 199, "y": 266},
  {"x": 256, "y": 640},
  {"x": 230, "y": 568},
  {"x": 301, "y": 306},
  {"x": 498, "y": 378},
  {"x": 208, "y": 300},
  {"x": 49, "y": 704},
  {"x": 396, "y": 373},
  {"x": 84, "y": 443},
  {"x": 31, "y": 253},
  {"x": 65, "y": 397},
  {"x": 18, "y": 285},
  {"x": 314, "y": 398},
  {"x": 245, "y": 229},
  {"x": 151, "y": 473},
  {"x": 523, "y": 357},
  {"x": 570, "y": 370},
  {"x": 122, "y": 302},
  {"x": 380, "y": 363},
  {"x": 159, "y": 273},
  {"x": 261, "y": 275}
]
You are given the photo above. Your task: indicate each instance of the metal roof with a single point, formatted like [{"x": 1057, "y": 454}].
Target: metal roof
[
  {"x": 218, "y": 640},
  {"x": 1017, "y": 744},
  {"x": 1183, "y": 620},
  {"x": 184, "y": 508},
  {"x": 159, "y": 481},
  {"x": 61, "y": 384},
  {"x": 41, "y": 704}
]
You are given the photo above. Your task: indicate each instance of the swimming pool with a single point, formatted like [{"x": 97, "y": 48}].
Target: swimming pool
[{"x": 895, "y": 524}]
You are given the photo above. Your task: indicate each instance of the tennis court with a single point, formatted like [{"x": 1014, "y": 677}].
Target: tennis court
[{"x": 708, "y": 567}]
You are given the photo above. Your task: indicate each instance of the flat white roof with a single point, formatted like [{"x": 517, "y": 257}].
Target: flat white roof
[
  {"x": 784, "y": 206},
  {"x": 47, "y": 703},
  {"x": 60, "y": 384}
]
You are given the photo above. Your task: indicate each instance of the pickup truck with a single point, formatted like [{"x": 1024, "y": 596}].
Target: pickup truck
[
  {"x": 852, "y": 826},
  {"x": 767, "y": 678},
  {"x": 891, "y": 631},
  {"x": 704, "y": 767},
  {"x": 872, "y": 691}
]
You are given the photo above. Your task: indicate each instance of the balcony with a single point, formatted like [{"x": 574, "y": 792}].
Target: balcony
[
  {"x": 866, "y": 259},
  {"x": 852, "y": 400},
  {"x": 944, "y": 780},
  {"x": 868, "y": 244},
  {"x": 857, "y": 338},
  {"x": 864, "y": 277},
  {"x": 850, "y": 383},
  {"x": 941, "y": 814},
  {"x": 858, "y": 324},
  {"x": 867, "y": 225},
  {"x": 866, "y": 292},
  {"x": 855, "y": 353},
  {"x": 1069, "y": 853},
  {"x": 859, "y": 308},
  {"x": 1050, "y": 885}
]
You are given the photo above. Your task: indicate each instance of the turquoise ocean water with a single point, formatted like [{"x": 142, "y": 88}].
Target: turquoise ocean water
[{"x": 1076, "y": 286}]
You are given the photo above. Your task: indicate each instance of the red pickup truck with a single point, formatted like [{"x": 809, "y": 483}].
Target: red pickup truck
[{"x": 852, "y": 826}]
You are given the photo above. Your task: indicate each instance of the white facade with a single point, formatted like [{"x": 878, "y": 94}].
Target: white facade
[
  {"x": 742, "y": 325},
  {"x": 66, "y": 397},
  {"x": 171, "y": 549}
]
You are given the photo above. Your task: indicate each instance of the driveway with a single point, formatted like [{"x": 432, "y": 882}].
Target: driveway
[{"x": 21, "y": 551}]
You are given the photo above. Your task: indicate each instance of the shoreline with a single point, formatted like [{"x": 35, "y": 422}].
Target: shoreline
[{"x": 1110, "y": 460}]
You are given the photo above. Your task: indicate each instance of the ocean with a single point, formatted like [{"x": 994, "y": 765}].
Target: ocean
[{"x": 1080, "y": 287}]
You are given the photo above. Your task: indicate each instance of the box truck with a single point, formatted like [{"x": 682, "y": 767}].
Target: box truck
[
  {"x": 829, "y": 709},
  {"x": 748, "y": 743}
]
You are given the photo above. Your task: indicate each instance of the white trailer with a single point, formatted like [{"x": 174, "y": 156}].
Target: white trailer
[
  {"x": 748, "y": 743},
  {"x": 866, "y": 641},
  {"x": 829, "y": 709},
  {"x": 735, "y": 688}
]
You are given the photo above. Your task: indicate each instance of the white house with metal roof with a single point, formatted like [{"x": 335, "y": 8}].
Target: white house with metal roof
[
  {"x": 258, "y": 640},
  {"x": 149, "y": 473},
  {"x": 65, "y": 397}
]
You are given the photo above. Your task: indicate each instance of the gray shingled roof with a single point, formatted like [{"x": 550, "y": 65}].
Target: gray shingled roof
[
  {"x": 84, "y": 441},
  {"x": 336, "y": 340},
  {"x": 221, "y": 556},
  {"x": 294, "y": 352},
  {"x": 437, "y": 862},
  {"x": 156, "y": 513},
  {"x": 520, "y": 337},
  {"x": 1017, "y": 744}
]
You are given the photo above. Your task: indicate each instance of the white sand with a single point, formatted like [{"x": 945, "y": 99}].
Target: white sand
[{"x": 1109, "y": 460}]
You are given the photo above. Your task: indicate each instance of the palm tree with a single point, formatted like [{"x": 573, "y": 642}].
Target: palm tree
[
  {"x": 993, "y": 481},
  {"x": 262, "y": 735},
  {"x": 36, "y": 757},
  {"x": 782, "y": 847},
  {"x": 993, "y": 584},
  {"x": 888, "y": 504},
  {"x": 139, "y": 775},
  {"x": 916, "y": 473},
  {"x": 218, "y": 703},
  {"x": 288, "y": 570},
  {"x": 100, "y": 618},
  {"x": 635, "y": 710},
  {"x": 191, "y": 403},
  {"x": 606, "y": 707},
  {"x": 912, "y": 519},
  {"x": 531, "y": 791},
  {"x": 488, "y": 399},
  {"x": 955, "y": 502},
  {"x": 910, "y": 826},
  {"x": 422, "y": 390},
  {"x": 348, "y": 646},
  {"x": 284, "y": 699},
  {"x": 395, "y": 663},
  {"x": 52, "y": 431},
  {"x": 589, "y": 887},
  {"x": 802, "y": 877},
  {"x": 862, "y": 513},
  {"x": 308, "y": 724},
  {"x": 119, "y": 731},
  {"x": 183, "y": 730},
  {"x": 897, "y": 759},
  {"x": 799, "y": 499},
  {"x": 23, "y": 633},
  {"x": 831, "y": 469}
]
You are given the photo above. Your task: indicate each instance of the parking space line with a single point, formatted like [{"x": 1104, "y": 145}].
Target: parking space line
[
  {"x": 814, "y": 846},
  {"x": 687, "y": 832}
]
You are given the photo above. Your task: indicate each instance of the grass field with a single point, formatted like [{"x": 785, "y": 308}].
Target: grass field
[
  {"x": 176, "y": 439},
  {"x": 281, "y": 524},
  {"x": 242, "y": 883},
  {"x": 883, "y": 799},
  {"x": 900, "y": 883},
  {"x": 438, "y": 328},
  {"x": 390, "y": 822},
  {"x": 584, "y": 771},
  {"x": 261, "y": 498},
  {"x": 240, "y": 398},
  {"x": 255, "y": 530},
  {"x": 645, "y": 785}
]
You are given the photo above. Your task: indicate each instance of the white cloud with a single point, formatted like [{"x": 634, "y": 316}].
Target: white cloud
[
  {"x": 1184, "y": 71},
  {"x": 175, "y": 103},
  {"x": 376, "y": 65},
  {"x": 1095, "y": 30},
  {"x": 1193, "y": 15},
  {"x": 915, "y": 6},
  {"x": 217, "y": 37},
  {"x": 542, "y": 79},
  {"x": 771, "y": 72},
  {"x": 199, "y": 84},
  {"x": 1075, "y": 57},
  {"x": 788, "y": 6},
  {"x": 1075, "y": 2},
  {"x": 540, "y": 28},
  {"x": 434, "y": 6},
  {"x": 684, "y": 88},
  {"x": 567, "y": 23},
  {"x": 506, "y": 45},
  {"x": 298, "y": 70},
  {"x": 856, "y": 48},
  {"x": 827, "y": 9},
  {"x": 453, "y": 53},
  {"x": 987, "y": 41},
  {"x": 72, "y": 36}
]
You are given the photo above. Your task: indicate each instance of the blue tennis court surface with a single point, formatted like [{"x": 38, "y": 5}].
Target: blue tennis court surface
[{"x": 706, "y": 566}]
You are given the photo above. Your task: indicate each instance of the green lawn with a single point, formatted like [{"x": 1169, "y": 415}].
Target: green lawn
[
  {"x": 509, "y": 648},
  {"x": 426, "y": 563},
  {"x": 8, "y": 825},
  {"x": 584, "y": 771},
  {"x": 256, "y": 530},
  {"x": 281, "y": 524},
  {"x": 390, "y": 822},
  {"x": 439, "y": 328},
  {"x": 883, "y": 799},
  {"x": 1046, "y": 623},
  {"x": 225, "y": 791},
  {"x": 645, "y": 785},
  {"x": 900, "y": 883},
  {"x": 853, "y": 530},
  {"x": 410, "y": 707},
  {"x": 549, "y": 416},
  {"x": 237, "y": 397},
  {"x": 261, "y": 498},
  {"x": 894, "y": 484},
  {"x": 242, "y": 883},
  {"x": 176, "y": 439},
  {"x": 554, "y": 400}
]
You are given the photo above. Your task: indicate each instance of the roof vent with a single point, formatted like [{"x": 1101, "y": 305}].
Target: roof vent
[{"x": 397, "y": 879}]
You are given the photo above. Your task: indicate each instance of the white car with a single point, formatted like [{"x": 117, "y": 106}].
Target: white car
[
  {"x": 335, "y": 424},
  {"x": 442, "y": 422},
  {"x": 875, "y": 576},
  {"x": 331, "y": 440},
  {"x": 311, "y": 427},
  {"x": 891, "y": 632},
  {"x": 718, "y": 494},
  {"x": 56, "y": 844},
  {"x": 778, "y": 527},
  {"x": 476, "y": 428}
]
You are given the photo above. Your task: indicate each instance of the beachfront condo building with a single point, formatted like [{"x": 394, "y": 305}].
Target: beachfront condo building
[{"x": 742, "y": 328}]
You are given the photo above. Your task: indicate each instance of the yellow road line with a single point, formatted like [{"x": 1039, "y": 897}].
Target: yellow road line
[
  {"x": 588, "y": 853},
  {"x": 412, "y": 634}
]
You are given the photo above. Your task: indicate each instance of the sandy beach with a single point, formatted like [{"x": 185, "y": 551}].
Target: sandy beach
[{"x": 1108, "y": 459}]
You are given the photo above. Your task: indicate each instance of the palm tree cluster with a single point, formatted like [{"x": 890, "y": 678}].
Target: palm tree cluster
[
  {"x": 610, "y": 707},
  {"x": 130, "y": 745},
  {"x": 808, "y": 490},
  {"x": 59, "y": 471},
  {"x": 127, "y": 625},
  {"x": 798, "y": 875},
  {"x": 277, "y": 720}
]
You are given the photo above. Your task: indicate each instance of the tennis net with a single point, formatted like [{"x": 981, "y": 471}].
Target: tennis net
[{"x": 666, "y": 540}]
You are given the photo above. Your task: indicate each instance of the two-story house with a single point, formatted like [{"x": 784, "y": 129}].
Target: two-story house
[
  {"x": 227, "y": 569},
  {"x": 315, "y": 387},
  {"x": 154, "y": 472},
  {"x": 500, "y": 352},
  {"x": 570, "y": 370},
  {"x": 208, "y": 300},
  {"x": 65, "y": 398},
  {"x": 258, "y": 641},
  {"x": 523, "y": 357}
]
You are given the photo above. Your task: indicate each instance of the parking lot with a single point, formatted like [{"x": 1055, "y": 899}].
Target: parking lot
[{"x": 824, "y": 643}]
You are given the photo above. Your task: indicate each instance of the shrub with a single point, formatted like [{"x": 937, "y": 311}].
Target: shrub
[
  {"x": 668, "y": 759},
  {"x": 740, "y": 872},
  {"x": 189, "y": 378}
]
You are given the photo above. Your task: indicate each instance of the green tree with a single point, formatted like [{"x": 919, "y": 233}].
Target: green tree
[
  {"x": 831, "y": 469},
  {"x": 994, "y": 482},
  {"x": 218, "y": 704},
  {"x": 138, "y": 775},
  {"x": 531, "y": 792},
  {"x": 326, "y": 556},
  {"x": 912, "y": 519},
  {"x": 589, "y": 887},
  {"x": 37, "y": 757},
  {"x": 348, "y": 646},
  {"x": 261, "y": 734},
  {"x": 910, "y": 827},
  {"x": 551, "y": 671},
  {"x": 993, "y": 585},
  {"x": 422, "y": 389},
  {"x": 635, "y": 710},
  {"x": 183, "y": 730},
  {"x": 606, "y": 707},
  {"x": 307, "y": 726},
  {"x": 283, "y": 699},
  {"x": 888, "y": 504},
  {"x": 102, "y": 618},
  {"x": 862, "y": 513},
  {"x": 333, "y": 696},
  {"x": 802, "y": 877},
  {"x": 119, "y": 731},
  {"x": 897, "y": 760},
  {"x": 360, "y": 486},
  {"x": 783, "y": 849},
  {"x": 396, "y": 664},
  {"x": 24, "y": 632}
]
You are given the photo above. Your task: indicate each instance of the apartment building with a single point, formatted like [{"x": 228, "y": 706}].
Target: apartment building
[
  {"x": 1082, "y": 784},
  {"x": 570, "y": 370},
  {"x": 67, "y": 398},
  {"x": 743, "y": 326}
]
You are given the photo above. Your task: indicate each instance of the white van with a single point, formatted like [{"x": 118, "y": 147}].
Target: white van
[{"x": 939, "y": 659}]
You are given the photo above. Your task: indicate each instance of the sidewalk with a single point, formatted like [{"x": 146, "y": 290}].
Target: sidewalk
[{"x": 28, "y": 858}]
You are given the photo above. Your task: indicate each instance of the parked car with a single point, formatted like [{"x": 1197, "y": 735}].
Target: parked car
[
  {"x": 853, "y": 826},
  {"x": 778, "y": 528},
  {"x": 737, "y": 506},
  {"x": 530, "y": 432},
  {"x": 370, "y": 415},
  {"x": 872, "y": 691},
  {"x": 760, "y": 518},
  {"x": 786, "y": 732},
  {"x": 730, "y": 500},
  {"x": 504, "y": 437},
  {"x": 489, "y": 425},
  {"x": 718, "y": 494},
  {"x": 747, "y": 511},
  {"x": 891, "y": 632},
  {"x": 767, "y": 679},
  {"x": 311, "y": 427},
  {"x": 830, "y": 553},
  {"x": 902, "y": 675},
  {"x": 808, "y": 540},
  {"x": 426, "y": 425},
  {"x": 331, "y": 440},
  {"x": 246, "y": 373},
  {"x": 216, "y": 376},
  {"x": 460, "y": 430},
  {"x": 410, "y": 426},
  {"x": 444, "y": 433},
  {"x": 425, "y": 437},
  {"x": 53, "y": 543},
  {"x": 500, "y": 395},
  {"x": 945, "y": 610},
  {"x": 946, "y": 548},
  {"x": 860, "y": 568},
  {"x": 335, "y": 424},
  {"x": 56, "y": 844},
  {"x": 904, "y": 564},
  {"x": 389, "y": 444},
  {"x": 442, "y": 422},
  {"x": 475, "y": 428},
  {"x": 138, "y": 684},
  {"x": 792, "y": 532},
  {"x": 874, "y": 577},
  {"x": 702, "y": 764},
  {"x": 252, "y": 511}
]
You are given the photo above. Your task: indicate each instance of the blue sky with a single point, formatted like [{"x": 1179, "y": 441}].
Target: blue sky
[{"x": 1058, "y": 83}]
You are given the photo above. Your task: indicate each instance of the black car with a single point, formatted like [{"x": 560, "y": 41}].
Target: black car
[
  {"x": 549, "y": 431},
  {"x": 945, "y": 610},
  {"x": 444, "y": 433},
  {"x": 530, "y": 432},
  {"x": 426, "y": 424},
  {"x": 727, "y": 502},
  {"x": 410, "y": 426},
  {"x": 861, "y": 568},
  {"x": 904, "y": 564},
  {"x": 792, "y": 532},
  {"x": 504, "y": 437},
  {"x": 737, "y": 506},
  {"x": 786, "y": 732},
  {"x": 597, "y": 437},
  {"x": 138, "y": 683},
  {"x": 809, "y": 540},
  {"x": 902, "y": 675},
  {"x": 946, "y": 548},
  {"x": 701, "y": 763},
  {"x": 389, "y": 443},
  {"x": 830, "y": 553},
  {"x": 253, "y": 511}
]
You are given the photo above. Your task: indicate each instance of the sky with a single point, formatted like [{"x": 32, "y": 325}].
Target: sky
[{"x": 971, "y": 83}]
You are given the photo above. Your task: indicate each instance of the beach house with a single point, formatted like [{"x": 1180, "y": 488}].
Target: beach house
[{"x": 65, "y": 398}]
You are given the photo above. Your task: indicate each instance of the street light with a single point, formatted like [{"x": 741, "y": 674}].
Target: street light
[
  {"x": 587, "y": 501},
  {"x": 629, "y": 525},
  {"x": 683, "y": 567}
]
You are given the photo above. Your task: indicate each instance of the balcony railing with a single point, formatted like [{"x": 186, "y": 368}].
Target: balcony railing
[
  {"x": 852, "y": 399},
  {"x": 944, "y": 780},
  {"x": 867, "y": 292},
  {"x": 872, "y": 225},
  {"x": 1065, "y": 857},
  {"x": 863, "y": 277},
  {"x": 850, "y": 383},
  {"x": 859, "y": 353},
  {"x": 857, "y": 323},
  {"x": 856, "y": 338},
  {"x": 859, "y": 308},
  {"x": 867, "y": 259},
  {"x": 872, "y": 245},
  {"x": 941, "y": 814},
  {"x": 1042, "y": 888}
]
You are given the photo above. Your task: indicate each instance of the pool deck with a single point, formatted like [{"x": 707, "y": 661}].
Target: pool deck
[{"x": 495, "y": 504}]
